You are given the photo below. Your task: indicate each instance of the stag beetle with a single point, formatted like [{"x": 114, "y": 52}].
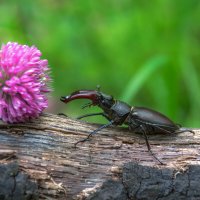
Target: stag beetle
[{"x": 139, "y": 119}]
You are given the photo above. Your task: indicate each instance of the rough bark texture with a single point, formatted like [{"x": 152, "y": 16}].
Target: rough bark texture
[{"x": 38, "y": 161}]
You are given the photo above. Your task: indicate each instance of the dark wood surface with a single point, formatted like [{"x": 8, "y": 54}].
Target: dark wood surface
[{"x": 44, "y": 151}]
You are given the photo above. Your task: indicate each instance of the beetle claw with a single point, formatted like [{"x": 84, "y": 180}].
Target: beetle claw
[{"x": 63, "y": 98}]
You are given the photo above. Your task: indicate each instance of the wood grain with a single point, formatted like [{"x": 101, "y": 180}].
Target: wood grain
[{"x": 44, "y": 149}]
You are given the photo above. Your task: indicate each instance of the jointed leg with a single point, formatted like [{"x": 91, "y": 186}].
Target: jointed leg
[
  {"x": 87, "y": 115},
  {"x": 94, "y": 132},
  {"x": 93, "y": 114},
  {"x": 148, "y": 145},
  {"x": 182, "y": 130},
  {"x": 62, "y": 114}
]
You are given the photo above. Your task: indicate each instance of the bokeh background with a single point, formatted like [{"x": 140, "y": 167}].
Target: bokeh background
[{"x": 146, "y": 53}]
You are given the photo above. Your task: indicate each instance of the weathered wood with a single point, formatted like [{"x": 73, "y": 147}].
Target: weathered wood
[{"x": 44, "y": 150}]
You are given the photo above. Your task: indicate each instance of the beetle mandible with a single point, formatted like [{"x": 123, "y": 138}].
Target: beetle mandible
[{"x": 139, "y": 119}]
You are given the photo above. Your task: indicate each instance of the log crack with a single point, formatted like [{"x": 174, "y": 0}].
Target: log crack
[{"x": 44, "y": 152}]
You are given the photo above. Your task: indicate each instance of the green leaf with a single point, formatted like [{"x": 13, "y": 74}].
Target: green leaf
[{"x": 138, "y": 80}]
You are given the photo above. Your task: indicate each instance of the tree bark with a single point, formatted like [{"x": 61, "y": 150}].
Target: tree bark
[{"x": 38, "y": 160}]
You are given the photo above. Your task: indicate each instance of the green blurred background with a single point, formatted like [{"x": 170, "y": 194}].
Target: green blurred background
[{"x": 146, "y": 53}]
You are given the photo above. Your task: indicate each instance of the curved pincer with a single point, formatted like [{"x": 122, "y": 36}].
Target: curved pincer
[
  {"x": 82, "y": 94},
  {"x": 63, "y": 99}
]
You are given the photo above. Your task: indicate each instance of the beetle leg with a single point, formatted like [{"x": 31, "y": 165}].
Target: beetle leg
[
  {"x": 146, "y": 137},
  {"x": 162, "y": 127},
  {"x": 182, "y": 130},
  {"x": 62, "y": 114},
  {"x": 87, "y": 105},
  {"x": 164, "y": 130},
  {"x": 148, "y": 145},
  {"x": 94, "y": 132},
  {"x": 87, "y": 115},
  {"x": 93, "y": 114}
]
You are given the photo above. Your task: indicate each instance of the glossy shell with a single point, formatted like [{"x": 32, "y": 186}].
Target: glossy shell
[{"x": 152, "y": 118}]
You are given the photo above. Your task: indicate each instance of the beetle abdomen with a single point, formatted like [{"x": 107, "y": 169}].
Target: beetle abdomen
[{"x": 153, "y": 120}]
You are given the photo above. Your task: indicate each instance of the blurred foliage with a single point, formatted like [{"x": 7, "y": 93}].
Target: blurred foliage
[{"x": 144, "y": 52}]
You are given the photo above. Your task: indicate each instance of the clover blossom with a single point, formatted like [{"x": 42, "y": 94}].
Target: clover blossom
[{"x": 23, "y": 82}]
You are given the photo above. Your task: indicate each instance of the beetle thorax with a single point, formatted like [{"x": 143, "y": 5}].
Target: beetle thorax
[{"x": 119, "y": 112}]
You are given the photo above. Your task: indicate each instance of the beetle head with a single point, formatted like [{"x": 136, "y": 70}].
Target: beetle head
[{"x": 98, "y": 98}]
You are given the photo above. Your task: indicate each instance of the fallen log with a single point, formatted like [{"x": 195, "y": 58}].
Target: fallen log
[{"x": 42, "y": 162}]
